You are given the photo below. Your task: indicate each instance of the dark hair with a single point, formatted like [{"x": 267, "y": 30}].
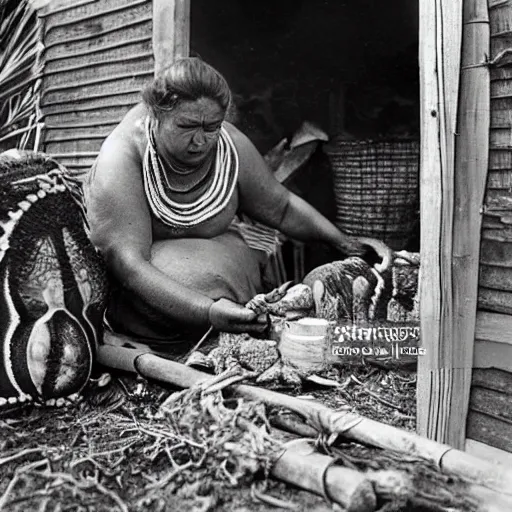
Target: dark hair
[{"x": 186, "y": 79}]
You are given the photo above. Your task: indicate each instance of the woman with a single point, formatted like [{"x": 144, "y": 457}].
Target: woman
[{"x": 162, "y": 200}]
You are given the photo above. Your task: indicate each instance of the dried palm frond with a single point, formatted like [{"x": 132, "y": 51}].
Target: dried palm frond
[{"x": 20, "y": 73}]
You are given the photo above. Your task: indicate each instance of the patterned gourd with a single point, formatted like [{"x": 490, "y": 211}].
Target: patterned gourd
[{"x": 53, "y": 283}]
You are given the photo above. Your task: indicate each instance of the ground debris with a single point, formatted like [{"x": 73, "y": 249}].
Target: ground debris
[
  {"x": 118, "y": 451},
  {"x": 137, "y": 445}
]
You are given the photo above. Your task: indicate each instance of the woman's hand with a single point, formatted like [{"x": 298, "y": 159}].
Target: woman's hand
[
  {"x": 382, "y": 250},
  {"x": 228, "y": 316}
]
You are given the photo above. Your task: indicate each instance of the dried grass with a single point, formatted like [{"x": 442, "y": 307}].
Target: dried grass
[
  {"x": 120, "y": 455},
  {"x": 20, "y": 77}
]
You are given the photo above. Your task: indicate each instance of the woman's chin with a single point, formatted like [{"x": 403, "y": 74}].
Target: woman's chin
[{"x": 195, "y": 157}]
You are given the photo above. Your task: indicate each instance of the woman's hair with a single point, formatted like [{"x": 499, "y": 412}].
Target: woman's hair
[{"x": 186, "y": 79}]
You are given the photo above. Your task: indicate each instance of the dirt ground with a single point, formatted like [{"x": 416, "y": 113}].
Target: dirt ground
[{"x": 106, "y": 453}]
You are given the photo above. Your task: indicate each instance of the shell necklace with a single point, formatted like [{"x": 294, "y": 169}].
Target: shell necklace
[
  {"x": 212, "y": 201},
  {"x": 183, "y": 180}
]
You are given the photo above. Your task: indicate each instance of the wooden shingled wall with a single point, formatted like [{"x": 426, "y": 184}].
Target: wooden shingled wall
[
  {"x": 489, "y": 421},
  {"x": 495, "y": 292},
  {"x": 98, "y": 56}
]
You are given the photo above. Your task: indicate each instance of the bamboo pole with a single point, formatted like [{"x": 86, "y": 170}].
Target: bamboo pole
[
  {"x": 472, "y": 158},
  {"x": 494, "y": 477},
  {"x": 438, "y": 373},
  {"x": 171, "y": 31},
  {"x": 302, "y": 466}
]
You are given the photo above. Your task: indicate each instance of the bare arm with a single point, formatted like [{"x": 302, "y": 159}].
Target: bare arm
[
  {"x": 121, "y": 229},
  {"x": 268, "y": 201}
]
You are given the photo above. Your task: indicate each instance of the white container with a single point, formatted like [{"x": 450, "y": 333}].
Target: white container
[{"x": 305, "y": 343}]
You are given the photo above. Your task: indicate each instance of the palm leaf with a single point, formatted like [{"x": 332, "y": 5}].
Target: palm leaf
[{"x": 20, "y": 72}]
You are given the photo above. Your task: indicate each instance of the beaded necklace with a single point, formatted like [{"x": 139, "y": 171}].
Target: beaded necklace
[{"x": 211, "y": 202}]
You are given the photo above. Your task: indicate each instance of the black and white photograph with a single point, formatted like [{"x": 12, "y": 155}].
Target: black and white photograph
[{"x": 256, "y": 255}]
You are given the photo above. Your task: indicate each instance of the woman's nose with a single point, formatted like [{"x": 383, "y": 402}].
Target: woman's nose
[{"x": 199, "y": 137}]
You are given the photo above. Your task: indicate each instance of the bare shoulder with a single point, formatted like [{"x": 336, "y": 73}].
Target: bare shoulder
[
  {"x": 261, "y": 196},
  {"x": 243, "y": 144},
  {"x": 128, "y": 137},
  {"x": 114, "y": 191},
  {"x": 122, "y": 151},
  {"x": 250, "y": 159}
]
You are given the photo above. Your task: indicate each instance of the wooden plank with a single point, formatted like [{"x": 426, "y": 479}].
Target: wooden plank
[
  {"x": 495, "y": 300},
  {"x": 430, "y": 206},
  {"x": 488, "y": 453},
  {"x": 448, "y": 301},
  {"x": 106, "y": 23},
  {"x": 494, "y": 379},
  {"x": 50, "y": 7},
  {"x": 491, "y": 402},
  {"x": 500, "y": 179},
  {"x": 120, "y": 67},
  {"x": 103, "y": 89},
  {"x": 499, "y": 230},
  {"x": 500, "y": 136},
  {"x": 496, "y": 252},
  {"x": 171, "y": 31},
  {"x": 439, "y": 66},
  {"x": 90, "y": 14},
  {"x": 493, "y": 327},
  {"x": 495, "y": 277},
  {"x": 82, "y": 145},
  {"x": 488, "y": 354},
  {"x": 488, "y": 430}
]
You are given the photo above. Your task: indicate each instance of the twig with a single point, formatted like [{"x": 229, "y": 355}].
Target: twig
[
  {"x": 496, "y": 61},
  {"x": 270, "y": 500},
  {"x": 19, "y": 471},
  {"x": 228, "y": 382},
  {"x": 115, "y": 450},
  {"x": 31, "y": 496},
  {"x": 18, "y": 455},
  {"x": 375, "y": 395},
  {"x": 200, "y": 342},
  {"x": 112, "y": 495},
  {"x": 106, "y": 472},
  {"x": 164, "y": 481},
  {"x": 10, "y": 487}
]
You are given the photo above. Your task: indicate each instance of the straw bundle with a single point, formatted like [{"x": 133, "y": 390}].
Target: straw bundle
[{"x": 376, "y": 188}]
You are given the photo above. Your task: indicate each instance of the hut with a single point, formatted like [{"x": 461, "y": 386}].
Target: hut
[{"x": 98, "y": 53}]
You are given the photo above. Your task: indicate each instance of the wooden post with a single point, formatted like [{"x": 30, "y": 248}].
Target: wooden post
[
  {"x": 451, "y": 238},
  {"x": 171, "y": 31},
  {"x": 472, "y": 162},
  {"x": 440, "y": 44}
]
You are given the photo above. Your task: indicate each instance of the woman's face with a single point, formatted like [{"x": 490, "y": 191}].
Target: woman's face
[{"x": 190, "y": 131}]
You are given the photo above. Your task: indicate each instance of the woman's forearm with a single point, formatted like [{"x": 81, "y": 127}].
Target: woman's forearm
[
  {"x": 303, "y": 222},
  {"x": 160, "y": 291}
]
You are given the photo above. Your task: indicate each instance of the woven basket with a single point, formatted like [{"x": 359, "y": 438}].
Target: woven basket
[{"x": 376, "y": 188}]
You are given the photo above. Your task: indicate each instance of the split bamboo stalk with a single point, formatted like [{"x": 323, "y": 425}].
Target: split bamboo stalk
[
  {"x": 302, "y": 466},
  {"x": 494, "y": 477},
  {"x": 450, "y": 241},
  {"x": 472, "y": 158},
  {"x": 433, "y": 168}
]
